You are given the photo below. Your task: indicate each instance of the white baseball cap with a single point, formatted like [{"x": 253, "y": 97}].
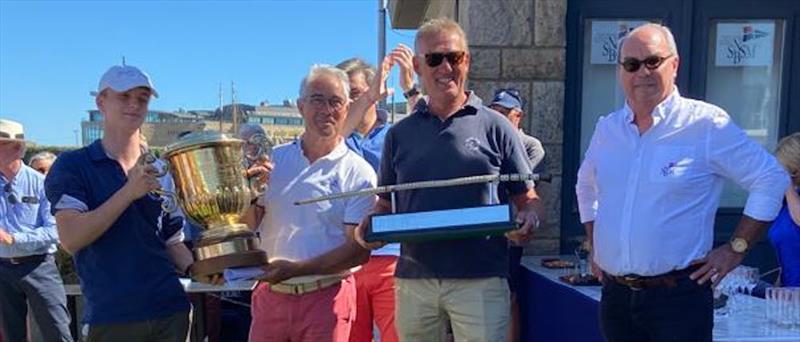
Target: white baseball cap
[{"x": 124, "y": 78}]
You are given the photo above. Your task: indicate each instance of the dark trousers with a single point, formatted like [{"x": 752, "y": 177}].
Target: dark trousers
[
  {"x": 169, "y": 329},
  {"x": 683, "y": 313},
  {"x": 38, "y": 283}
]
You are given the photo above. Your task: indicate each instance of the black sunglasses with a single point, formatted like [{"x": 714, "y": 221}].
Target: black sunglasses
[
  {"x": 12, "y": 199},
  {"x": 631, "y": 64},
  {"x": 454, "y": 58}
]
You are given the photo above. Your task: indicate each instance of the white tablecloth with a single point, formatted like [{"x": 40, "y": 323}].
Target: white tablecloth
[{"x": 748, "y": 325}]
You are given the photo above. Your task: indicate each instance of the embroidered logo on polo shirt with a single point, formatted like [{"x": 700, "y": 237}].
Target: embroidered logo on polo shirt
[{"x": 472, "y": 144}]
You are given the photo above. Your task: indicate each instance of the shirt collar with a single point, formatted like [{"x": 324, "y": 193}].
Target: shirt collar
[
  {"x": 661, "y": 110},
  {"x": 97, "y": 152},
  {"x": 338, "y": 151},
  {"x": 470, "y": 107}
]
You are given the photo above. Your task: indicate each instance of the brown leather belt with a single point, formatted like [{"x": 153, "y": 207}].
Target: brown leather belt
[
  {"x": 24, "y": 259},
  {"x": 668, "y": 280}
]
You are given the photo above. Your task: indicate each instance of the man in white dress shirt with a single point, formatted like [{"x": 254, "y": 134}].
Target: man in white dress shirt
[{"x": 648, "y": 190}]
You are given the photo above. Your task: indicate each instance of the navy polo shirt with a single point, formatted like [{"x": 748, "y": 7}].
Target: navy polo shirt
[
  {"x": 473, "y": 141},
  {"x": 126, "y": 274}
]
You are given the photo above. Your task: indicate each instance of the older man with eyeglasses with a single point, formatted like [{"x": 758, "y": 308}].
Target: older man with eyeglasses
[
  {"x": 452, "y": 134},
  {"x": 307, "y": 291},
  {"x": 648, "y": 191},
  {"x": 29, "y": 276}
]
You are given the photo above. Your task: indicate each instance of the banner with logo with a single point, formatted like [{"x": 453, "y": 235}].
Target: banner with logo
[
  {"x": 605, "y": 38},
  {"x": 744, "y": 44}
]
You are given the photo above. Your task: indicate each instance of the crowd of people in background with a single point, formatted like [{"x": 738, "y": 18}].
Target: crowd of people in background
[{"x": 648, "y": 190}]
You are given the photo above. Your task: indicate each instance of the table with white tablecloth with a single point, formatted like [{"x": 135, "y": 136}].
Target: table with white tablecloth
[{"x": 551, "y": 310}]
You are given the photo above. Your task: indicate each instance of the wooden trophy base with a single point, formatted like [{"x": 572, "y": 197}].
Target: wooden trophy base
[
  {"x": 217, "y": 265},
  {"x": 236, "y": 250}
]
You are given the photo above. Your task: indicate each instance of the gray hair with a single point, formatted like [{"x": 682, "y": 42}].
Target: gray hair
[
  {"x": 247, "y": 130},
  {"x": 665, "y": 31},
  {"x": 45, "y": 156},
  {"x": 354, "y": 66},
  {"x": 788, "y": 152},
  {"x": 439, "y": 25},
  {"x": 318, "y": 70}
]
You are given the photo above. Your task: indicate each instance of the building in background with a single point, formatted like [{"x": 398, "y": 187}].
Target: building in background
[{"x": 282, "y": 122}]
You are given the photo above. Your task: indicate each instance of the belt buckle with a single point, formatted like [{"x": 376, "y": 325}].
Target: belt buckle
[{"x": 632, "y": 282}]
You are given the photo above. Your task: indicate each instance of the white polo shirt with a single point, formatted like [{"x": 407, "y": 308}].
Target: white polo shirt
[{"x": 301, "y": 232}]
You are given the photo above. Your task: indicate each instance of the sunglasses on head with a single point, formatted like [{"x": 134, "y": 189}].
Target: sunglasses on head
[
  {"x": 631, "y": 64},
  {"x": 454, "y": 58},
  {"x": 12, "y": 199}
]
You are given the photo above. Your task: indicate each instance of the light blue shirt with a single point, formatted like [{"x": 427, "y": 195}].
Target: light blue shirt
[{"x": 28, "y": 220}]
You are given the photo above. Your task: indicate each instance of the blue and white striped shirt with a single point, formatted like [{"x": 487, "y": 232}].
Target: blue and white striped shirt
[{"x": 28, "y": 218}]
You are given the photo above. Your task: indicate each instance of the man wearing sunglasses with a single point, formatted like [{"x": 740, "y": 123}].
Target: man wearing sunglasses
[
  {"x": 29, "y": 276},
  {"x": 648, "y": 191},
  {"x": 451, "y": 134}
]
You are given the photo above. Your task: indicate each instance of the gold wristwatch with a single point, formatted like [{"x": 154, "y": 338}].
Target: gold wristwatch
[{"x": 739, "y": 245}]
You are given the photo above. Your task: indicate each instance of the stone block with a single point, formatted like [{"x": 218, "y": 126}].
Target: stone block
[
  {"x": 547, "y": 112},
  {"x": 485, "y": 63},
  {"x": 539, "y": 63},
  {"x": 550, "y": 22},
  {"x": 499, "y": 22}
]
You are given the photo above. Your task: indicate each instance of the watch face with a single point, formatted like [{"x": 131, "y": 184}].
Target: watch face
[{"x": 739, "y": 245}]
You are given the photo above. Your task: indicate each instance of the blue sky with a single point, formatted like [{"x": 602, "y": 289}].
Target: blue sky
[{"x": 52, "y": 53}]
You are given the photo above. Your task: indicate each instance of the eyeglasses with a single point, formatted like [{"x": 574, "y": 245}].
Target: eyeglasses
[
  {"x": 320, "y": 102},
  {"x": 12, "y": 199},
  {"x": 631, "y": 64},
  {"x": 454, "y": 58}
]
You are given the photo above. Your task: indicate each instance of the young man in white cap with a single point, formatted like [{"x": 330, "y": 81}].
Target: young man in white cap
[
  {"x": 126, "y": 249},
  {"x": 28, "y": 239}
]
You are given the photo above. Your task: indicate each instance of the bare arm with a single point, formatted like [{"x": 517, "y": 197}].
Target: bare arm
[
  {"x": 252, "y": 217},
  {"x": 382, "y": 206},
  {"x": 377, "y": 91},
  {"x": 349, "y": 254},
  {"x": 77, "y": 230},
  {"x": 181, "y": 257},
  {"x": 529, "y": 214},
  {"x": 723, "y": 259}
]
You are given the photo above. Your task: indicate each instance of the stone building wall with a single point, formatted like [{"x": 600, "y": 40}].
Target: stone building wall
[{"x": 521, "y": 44}]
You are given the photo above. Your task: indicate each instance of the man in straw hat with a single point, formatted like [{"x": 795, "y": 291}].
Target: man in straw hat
[{"x": 28, "y": 238}]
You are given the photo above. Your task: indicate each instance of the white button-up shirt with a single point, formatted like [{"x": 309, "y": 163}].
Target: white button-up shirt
[
  {"x": 301, "y": 232},
  {"x": 653, "y": 197}
]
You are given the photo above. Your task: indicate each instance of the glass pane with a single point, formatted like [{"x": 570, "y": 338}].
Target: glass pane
[
  {"x": 601, "y": 93},
  {"x": 743, "y": 76}
]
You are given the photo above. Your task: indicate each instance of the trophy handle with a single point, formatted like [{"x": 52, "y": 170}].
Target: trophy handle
[
  {"x": 170, "y": 203},
  {"x": 263, "y": 147}
]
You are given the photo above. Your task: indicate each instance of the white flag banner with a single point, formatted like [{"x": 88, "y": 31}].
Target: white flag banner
[
  {"x": 744, "y": 44},
  {"x": 605, "y": 39}
]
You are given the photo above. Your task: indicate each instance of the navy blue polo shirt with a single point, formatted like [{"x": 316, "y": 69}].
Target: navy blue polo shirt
[
  {"x": 126, "y": 274},
  {"x": 473, "y": 141}
]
